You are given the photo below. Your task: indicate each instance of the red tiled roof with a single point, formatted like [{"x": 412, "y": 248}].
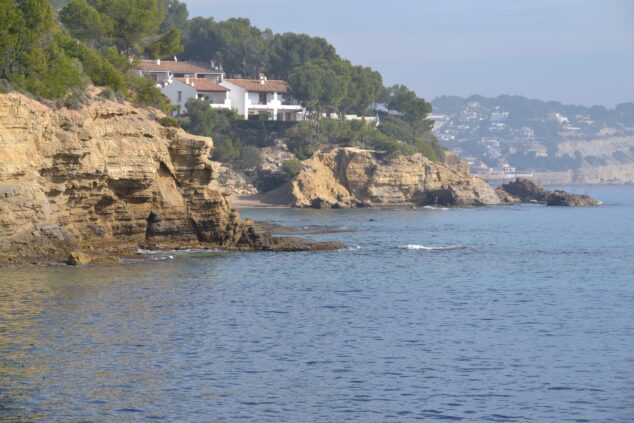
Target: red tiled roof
[
  {"x": 174, "y": 67},
  {"x": 256, "y": 85},
  {"x": 204, "y": 84}
]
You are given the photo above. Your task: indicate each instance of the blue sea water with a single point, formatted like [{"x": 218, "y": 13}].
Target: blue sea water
[{"x": 505, "y": 314}]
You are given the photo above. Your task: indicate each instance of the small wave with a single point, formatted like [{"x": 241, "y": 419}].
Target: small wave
[
  {"x": 148, "y": 252},
  {"x": 180, "y": 251},
  {"x": 433, "y": 248},
  {"x": 163, "y": 258},
  {"x": 435, "y": 208}
]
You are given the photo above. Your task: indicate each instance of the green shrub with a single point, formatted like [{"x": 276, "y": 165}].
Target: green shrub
[
  {"x": 169, "y": 122},
  {"x": 100, "y": 71},
  {"x": 292, "y": 167},
  {"x": 143, "y": 91},
  {"x": 225, "y": 150},
  {"x": 302, "y": 140},
  {"x": 75, "y": 100},
  {"x": 249, "y": 157},
  {"x": 203, "y": 120},
  {"x": 108, "y": 94},
  {"x": 5, "y": 86}
]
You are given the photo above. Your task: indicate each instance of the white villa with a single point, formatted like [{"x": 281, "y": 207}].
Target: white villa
[
  {"x": 250, "y": 97},
  {"x": 181, "y": 81},
  {"x": 179, "y": 90}
]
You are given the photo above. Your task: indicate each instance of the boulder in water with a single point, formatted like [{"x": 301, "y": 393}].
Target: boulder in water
[
  {"x": 524, "y": 190},
  {"x": 563, "y": 198}
]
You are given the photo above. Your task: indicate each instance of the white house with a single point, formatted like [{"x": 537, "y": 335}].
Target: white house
[
  {"x": 163, "y": 71},
  {"x": 180, "y": 81},
  {"x": 179, "y": 90},
  {"x": 250, "y": 97}
]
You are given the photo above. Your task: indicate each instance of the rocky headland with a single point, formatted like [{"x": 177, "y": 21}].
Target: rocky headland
[
  {"x": 524, "y": 190},
  {"x": 354, "y": 177},
  {"x": 107, "y": 179}
]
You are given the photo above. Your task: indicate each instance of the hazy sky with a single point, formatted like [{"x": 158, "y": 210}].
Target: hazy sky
[{"x": 573, "y": 51}]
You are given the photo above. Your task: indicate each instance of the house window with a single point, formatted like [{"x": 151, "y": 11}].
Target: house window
[
  {"x": 262, "y": 98},
  {"x": 180, "y": 96}
]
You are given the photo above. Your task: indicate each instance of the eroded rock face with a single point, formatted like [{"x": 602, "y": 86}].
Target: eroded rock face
[
  {"x": 347, "y": 177},
  {"x": 107, "y": 177}
]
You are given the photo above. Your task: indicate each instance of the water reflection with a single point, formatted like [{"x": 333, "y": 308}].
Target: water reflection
[
  {"x": 62, "y": 329},
  {"x": 531, "y": 322}
]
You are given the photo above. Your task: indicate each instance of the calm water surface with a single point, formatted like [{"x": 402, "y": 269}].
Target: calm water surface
[{"x": 517, "y": 314}]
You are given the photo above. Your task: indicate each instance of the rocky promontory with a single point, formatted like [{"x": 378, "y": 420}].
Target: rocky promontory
[
  {"x": 106, "y": 180},
  {"x": 355, "y": 177},
  {"x": 524, "y": 190}
]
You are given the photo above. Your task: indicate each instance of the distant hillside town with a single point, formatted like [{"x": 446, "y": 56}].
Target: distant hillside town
[{"x": 510, "y": 136}]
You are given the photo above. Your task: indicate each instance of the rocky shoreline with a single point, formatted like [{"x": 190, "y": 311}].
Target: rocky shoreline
[
  {"x": 105, "y": 180},
  {"x": 100, "y": 183}
]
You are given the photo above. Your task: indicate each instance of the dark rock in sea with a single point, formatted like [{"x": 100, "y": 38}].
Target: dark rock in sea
[
  {"x": 524, "y": 190},
  {"x": 563, "y": 198}
]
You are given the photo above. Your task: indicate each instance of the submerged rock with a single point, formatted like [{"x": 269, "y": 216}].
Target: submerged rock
[{"x": 524, "y": 190}]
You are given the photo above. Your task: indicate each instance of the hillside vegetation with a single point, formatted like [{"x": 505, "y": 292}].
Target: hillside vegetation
[{"x": 54, "y": 50}]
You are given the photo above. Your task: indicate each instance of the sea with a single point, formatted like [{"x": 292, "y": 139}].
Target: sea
[{"x": 520, "y": 313}]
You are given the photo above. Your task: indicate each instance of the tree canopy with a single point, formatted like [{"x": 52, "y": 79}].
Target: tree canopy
[
  {"x": 133, "y": 27},
  {"x": 30, "y": 53},
  {"x": 99, "y": 40}
]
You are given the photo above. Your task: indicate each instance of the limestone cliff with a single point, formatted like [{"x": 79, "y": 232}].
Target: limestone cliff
[
  {"x": 107, "y": 178},
  {"x": 608, "y": 160},
  {"x": 347, "y": 177}
]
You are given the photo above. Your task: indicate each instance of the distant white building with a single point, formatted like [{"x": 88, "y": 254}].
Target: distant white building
[
  {"x": 559, "y": 118},
  {"x": 499, "y": 116},
  {"x": 180, "y": 90},
  {"x": 250, "y": 97},
  {"x": 439, "y": 121}
]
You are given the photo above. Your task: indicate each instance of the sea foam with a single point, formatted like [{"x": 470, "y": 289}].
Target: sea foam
[{"x": 433, "y": 248}]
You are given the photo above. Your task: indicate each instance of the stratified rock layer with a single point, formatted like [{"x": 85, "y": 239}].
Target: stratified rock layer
[
  {"x": 107, "y": 178},
  {"x": 347, "y": 177}
]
